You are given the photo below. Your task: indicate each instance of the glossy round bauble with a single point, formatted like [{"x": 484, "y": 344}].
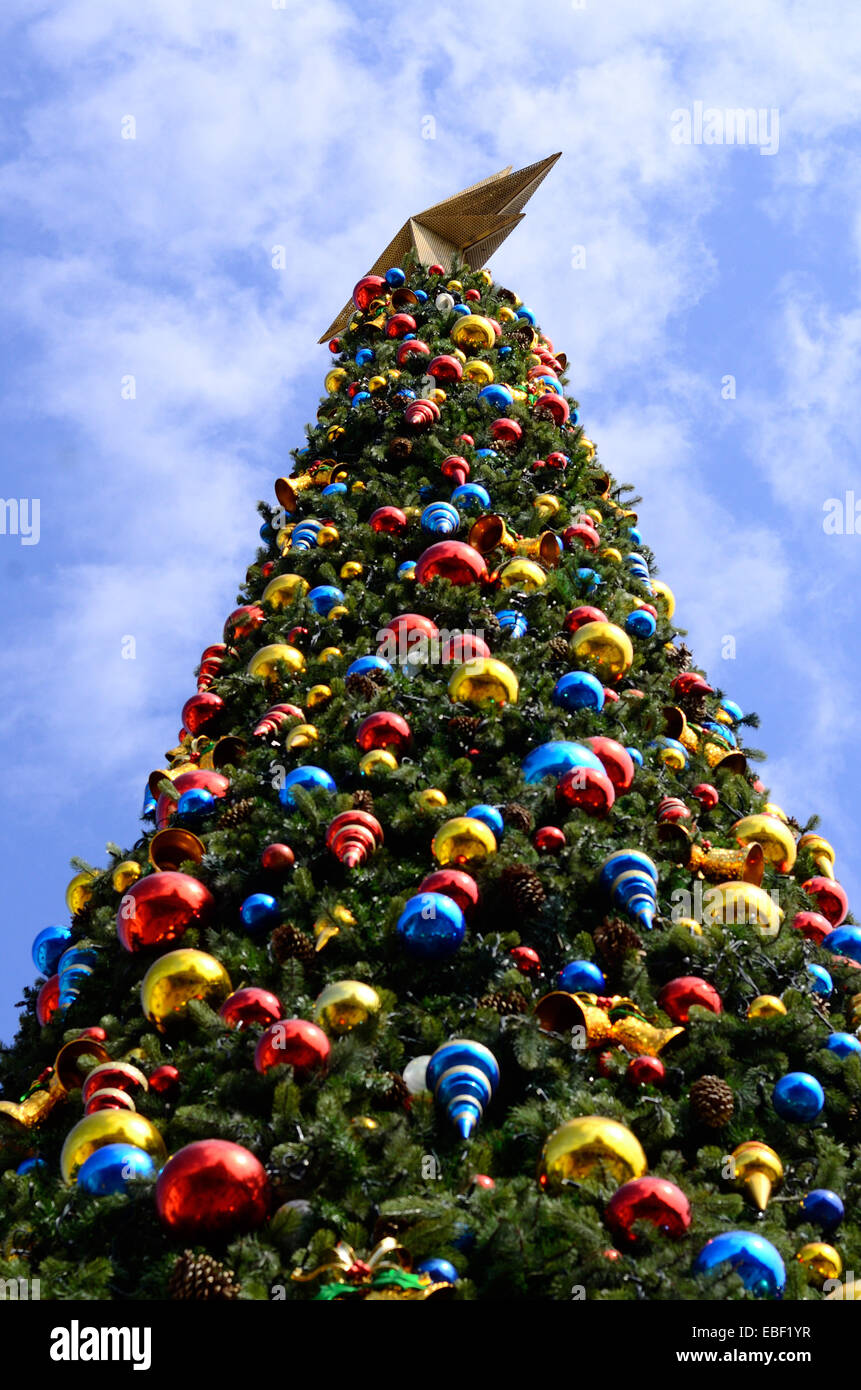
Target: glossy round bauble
[
  {"x": 585, "y": 789},
  {"x": 798, "y": 1097},
  {"x": 250, "y": 1005},
  {"x": 48, "y": 1000},
  {"x": 655, "y": 1200},
  {"x": 292, "y": 1042},
  {"x": 345, "y": 1005},
  {"x": 824, "y": 1208},
  {"x": 590, "y": 1144},
  {"x": 527, "y": 960},
  {"x": 112, "y": 1168},
  {"x": 830, "y": 898},
  {"x": 707, "y": 795},
  {"x": 455, "y": 561},
  {"x": 164, "y": 1081},
  {"x": 483, "y": 680},
  {"x": 48, "y": 946},
  {"x": 431, "y": 926},
  {"x": 742, "y": 904},
  {"x": 160, "y": 908},
  {"x": 605, "y": 644},
  {"x": 646, "y": 1071},
  {"x": 455, "y": 884},
  {"x": 243, "y": 621},
  {"x": 580, "y": 975},
  {"x": 461, "y": 839},
  {"x": 212, "y": 1189},
  {"x": 522, "y": 574},
  {"x": 309, "y": 778},
  {"x": 679, "y": 996},
  {"x": 109, "y": 1127},
  {"x": 753, "y": 1258},
  {"x": 117, "y": 1076},
  {"x": 201, "y": 711},
  {"x": 175, "y": 979},
  {"x": 205, "y": 778},
  {"x": 267, "y": 661},
  {"x": 579, "y": 690},
  {"x": 579, "y": 617},
  {"x": 556, "y": 758},
  {"x": 383, "y": 729},
  {"x": 125, "y": 874},
  {"x": 284, "y": 590},
  {"x": 277, "y": 858}
]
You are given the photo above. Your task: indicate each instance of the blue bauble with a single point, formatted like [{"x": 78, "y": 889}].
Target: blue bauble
[
  {"x": 420, "y": 296},
  {"x": 752, "y": 1257},
  {"x": 259, "y": 912},
  {"x": 621, "y": 862},
  {"x": 29, "y": 1165},
  {"x": 486, "y": 454},
  {"x": 462, "y": 1076},
  {"x": 844, "y": 941},
  {"x": 111, "y": 1169},
  {"x": 636, "y": 538},
  {"x": 266, "y": 533},
  {"x": 324, "y": 598},
  {"x": 148, "y": 807},
  {"x": 364, "y": 356},
  {"x": 820, "y": 980},
  {"x": 48, "y": 946},
  {"x": 469, "y": 495},
  {"x": 734, "y": 711},
  {"x": 635, "y": 755},
  {"x": 431, "y": 926},
  {"x": 74, "y": 967},
  {"x": 721, "y": 731},
  {"x": 360, "y": 398},
  {"x": 591, "y": 578},
  {"x": 512, "y": 622},
  {"x": 843, "y": 1044},
  {"x": 462, "y": 309},
  {"x": 395, "y": 277},
  {"x": 195, "y": 804},
  {"x": 440, "y": 519},
  {"x": 334, "y": 490},
  {"x": 582, "y": 975},
  {"x": 823, "y": 1207},
  {"x": 489, "y": 816},
  {"x": 496, "y": 397},
  {"x": 363, "y": 664},
  {"x": 557, "y": 757},
  {"x": 798, "y": 1097},
  {"x": 461, "y": 1052},
  {"x": 579, "y": 690},
  {"x": 640, "y": 623},
  {"x": 504, "y": 350},
  {"x": 310, "y": 778},
  {"x": 440, "y": 1271},
  {"x": 673, "y": 745},
  {"x": 407, "y": 570},
  {"x": 527, "y": 314}
]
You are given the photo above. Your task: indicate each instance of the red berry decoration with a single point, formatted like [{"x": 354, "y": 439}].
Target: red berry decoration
[
  {"x": 159, "y": 908},
  {"x": 48, "y": 1000},
  {"x": 483, "y": 1181},
  {"x": 212, "y": 1188},
  {"x": 654, "y": 1200},
  {"x": 707, "y": 795},
  {"x": 549, "y": 839},
  {"x": 813, "y": 925},
  {"x": 277, "y": 859},
  {"x": 250, "y": 1005},
  {"x": 200, "y": 710},
  {"x": 528, "y": 962},
  {"x": 646, "y": 1071},
  {"x": 292, "y": 1042},
  {"x": 830, "y": 898},
  {"x": 164, "y": 1081},
  {"x": 454, "y": 884},
  {"x": 384, "y": 729},
  {"x": 679, "y": 996}
]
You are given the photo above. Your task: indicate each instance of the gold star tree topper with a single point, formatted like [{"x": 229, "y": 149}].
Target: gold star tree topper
[{"x": 470, "y": 226}]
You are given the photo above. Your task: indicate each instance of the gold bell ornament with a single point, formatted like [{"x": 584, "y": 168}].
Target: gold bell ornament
[
  {"x": 66, "y": 1076},
  {"x": 614, "y": 1021}
]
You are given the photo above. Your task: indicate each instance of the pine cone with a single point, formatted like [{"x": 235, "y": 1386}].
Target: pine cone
[
  {"x": 518, "y": 816},
  {"x": 362, "y": 686},
  {"x": 614, "y": 940},
  {"x": 399, "y": 447},
  {"x": 558, "y": 648},
  {"x": 511, "y": 1003},
  {"x": 289, "y": 943},
  {"x": 712, "y": 1101},
  {"x": 694, "y": 707},
  {"x": 397, "y": 1094},
  {"x": 236, "y": 814},
  {"x": 201, "y": 1277},
  {"x": 523, "y": 886},
  {"x": 463, "y": 728},
  {"x": 363, "y": 801},
  {"x": 681, "y": 657}
]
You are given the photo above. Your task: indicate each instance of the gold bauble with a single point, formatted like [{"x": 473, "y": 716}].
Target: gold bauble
[
  {"x": 265, "y": 662},
  {"x": 377, "y": 383},
  {"x": 776, "y": 838},
  {"x": 546, "y": 505},
  {"x": 328, "y": 535},
  {"x": 522, "y": 574},
  {"x": 330, "y": 653},
  {"x": 344, "y": 1005},
  {"x": 771, "y": 809},
  {"x": 766, "y": 1006},
  {"x": 758, "y": 1170},
  {"x": 613, "y": 556},
  {"x": 284, "y": 589},
  {"x": 605, "y": 644},
  {"x": 689, "y": 924},
  {"x": 594, "y": 515},
  {"x": 301, "y": 736},
  {"x": 352, "y": 569},
  {"x": 318, "y": 695},
  {"x": 473, "y": 331},
  {"x": 339, "y": 611},
  {"x": 483, "y": 680},
  {"x": 454, "y": 285},
  {"x": 377, "y": 763},
  {"x": 578, "y": 1148},
  {"x": 825, "y": 1263},
  {"x": 109, "y": 1127},
  {"x": 438, "y": 395},
  {"x": 334, "y": 433},
  {"x": 80, "y": 890},
  {"x": 178, "y": 977},
  {"x": 334, "y": 379},
  {"x": 505, "y": 314},
  {"x": 665, "y": 599},
  {"x": 125, "y": 874},
  {"x": 742, "y": 903},
  {"x": 431, "y": 799},
  {"x": 461, "y": 839},
  {"x": 479, "y": 372},
  {"x": 821, "y": 851}
]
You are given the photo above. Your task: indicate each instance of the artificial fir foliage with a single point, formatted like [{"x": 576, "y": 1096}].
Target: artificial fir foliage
[{"x": 353, "y": 1151}]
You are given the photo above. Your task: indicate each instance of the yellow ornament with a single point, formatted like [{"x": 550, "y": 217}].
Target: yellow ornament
[
  {"x": 109, "y": 1127},
  {"x": 461, "y": 356},
  {"x": 125, "y": 874},
  {"x": 778, "y": 843},
  {"x": 339, "y": 611},
  {"x": 359, "y": 486},
  {"x": 522, "y": 574},
  {"x": 352, "y": 569},
  {"x": 265, "y": 662},
  {"x": 301, "y": 736},
  {"x": 473, "y": 331},
  {"x": 318, "y": 695},
  {"x": 594, "y": 515},
  {"x": 344, "y": 1005},
  {"x": 485, "y": 277},
  {"x": 328, "y": 535},
  {"x": 483, "y": 680},
  {"x": 461, "y": 839},
  {"x": 377, "y": 763},
  {"x": 822, "y": 852},
  {"x": 611, "y": 555},
  {"x": 479, "y": 372},
  {"x": 377, "y": 383},
  {"x": 742, "y": 903},
  {"x": 771, "y": 809},
  {"x": 690, "y": 925},
  {"x": 327, "y": 926},
  {"x": 665, "y": 599},
  {"x": 505, "y": 314},
  {"x": 335, "y": 379},
  {"x": 282, "y": 539},
  {"x": 431, "y": 799},
  {"x": 454, "y": 285},
  {"x": 80, "y": 890},
  {"x": 546, "y": 505},
  {"x": 758, "y": 1170},
  {"x": 284, "y": 589},
  {"x": 330, "y": 653},
  {"x": 334, "y": 433},
  {"x": 178, "y": 977},
  {"x": 824, "y": 1262},
  {"x": 605, "y": 644},
  {"x": 589, "y": 1143},
  {"x": 766, "y": 1006},
  {"x": 438, "y": 395},
  {"x": 363, "y": 1122}
]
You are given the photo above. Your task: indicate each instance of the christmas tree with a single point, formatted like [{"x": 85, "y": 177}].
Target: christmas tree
[{"x": 463, "y": 953}]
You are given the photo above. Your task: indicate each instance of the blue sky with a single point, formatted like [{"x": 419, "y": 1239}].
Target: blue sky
[{"x": 307, "y": 127}]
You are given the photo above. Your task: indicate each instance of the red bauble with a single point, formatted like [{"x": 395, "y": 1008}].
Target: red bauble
[
  {"x": 215, "y": 649},
  {"x": 679, "y": 996},
  {"x": 587, "y": 789},
  {"x": 618, "y": 763},
  {"x": 528, "y": 962},
  {"x": 648, "y": 1199},
  {"x": 454, "y": 884},
  {"x": 243, "y": 621},
  {"x": 646, "y": 1071},
  {"x": 483, "y": 1181},
  {"x": 115, "y": 1076},
  {"x": 297, "y": 636},
  {"x": 250, "y": 1005},
  {"x": 455, "y": 467},
  {"x": 549, "y": 839},
  {"x": 109, "y": 1098},
  {"x": 673, "y": 809},
  {"x": 212, "y": 1188},
  {"x": 462, "y": 647},
  {"x": 436, "y": 269},
  {"x": 98, "y": 1034},
  {"x": 292, "y": 1042},
  {"x": 159, "y": 908},
  {"x": 200, "y": 710},
  {"x": 611, "y": 695},
  {"x": 164, "y": 1081},
  {"x": 405, "y": 632},
  {"x": 581, "y": 534},
  {"x": 578, "y": 617},
  {"x": 472, "y": 294},
  {"x": 445, "y": 368},
  {"x": 389, "y": 521},
  {"x": 830, "y": 898},
  {"x": 465, "y": 439},
  {"x": 707, "y": 795},
  {"x": 383, "y": 729},
  {"x": 201, "y": 777},
  {"x": 557, "y": 460},
  {"x": 334, "y": 344},
  {"x": 506, "y": 431},
  {"x": 814, "y": 926},
  {"x": 452, "y": 560},
  {"x": 48, "y": 1000},
  {"x": 267, "y": 568},
  {"x": 691, "y": 683},
  {"x": 369, "y": 288},
  {"x": 399, "y": 324},
  {"x": 277, "y": 859}
]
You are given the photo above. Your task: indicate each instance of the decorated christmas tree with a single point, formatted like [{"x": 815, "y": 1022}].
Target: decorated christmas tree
[{"x": 462, "y": 953}]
